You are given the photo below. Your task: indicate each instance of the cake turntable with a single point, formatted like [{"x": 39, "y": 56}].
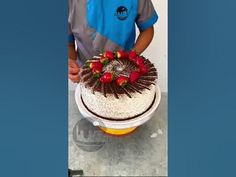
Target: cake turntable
[{"x": 120, "y": 127}]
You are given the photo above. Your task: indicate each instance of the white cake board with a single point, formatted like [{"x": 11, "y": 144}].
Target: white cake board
[{"x": 112, "y": 124}]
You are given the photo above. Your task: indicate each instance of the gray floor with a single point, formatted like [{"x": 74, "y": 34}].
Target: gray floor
[{"x": 141, "y": 153}]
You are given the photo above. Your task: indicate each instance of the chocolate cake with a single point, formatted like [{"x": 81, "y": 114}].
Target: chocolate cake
[{"x": 118, "y": 85}]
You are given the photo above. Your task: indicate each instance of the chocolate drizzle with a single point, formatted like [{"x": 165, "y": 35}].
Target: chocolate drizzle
[{"x": 120, "y": 67}]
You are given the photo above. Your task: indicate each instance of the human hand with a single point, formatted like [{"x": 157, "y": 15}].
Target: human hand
[{"x": 73, "y": 71}]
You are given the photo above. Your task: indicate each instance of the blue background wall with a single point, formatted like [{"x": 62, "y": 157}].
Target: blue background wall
[
  {"x": 33, "y": 88},
  {"x": 202, "y": 114}
]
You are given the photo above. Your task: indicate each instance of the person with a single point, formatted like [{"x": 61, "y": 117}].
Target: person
[{"x": 95, "y": 26}]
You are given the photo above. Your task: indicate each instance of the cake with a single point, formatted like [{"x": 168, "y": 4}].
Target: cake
[{"x": 118, "y": 85}]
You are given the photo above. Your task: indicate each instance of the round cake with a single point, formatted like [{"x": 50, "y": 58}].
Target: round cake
[{"x": 118, "y": 85}]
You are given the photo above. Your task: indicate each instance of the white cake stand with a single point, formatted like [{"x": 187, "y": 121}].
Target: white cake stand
[{"x": 117, "y": 127}]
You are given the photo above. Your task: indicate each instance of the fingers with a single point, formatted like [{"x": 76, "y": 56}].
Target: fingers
[
  {"x": 74, "y": 78},
  {"x": 73, "y": 70},
  {"x": 73, "y": 63},
  {"x": 73, "y": 67}
]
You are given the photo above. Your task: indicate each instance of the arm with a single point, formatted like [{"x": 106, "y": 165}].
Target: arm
[
  {"x": 146, "y": 18},
  {"x": 144, "y": 39},
  {"x": 73, "y": 68}
]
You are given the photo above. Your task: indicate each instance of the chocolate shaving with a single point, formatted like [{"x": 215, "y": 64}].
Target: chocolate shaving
[
  {"x": 91, "y": 81},
  {"x": 151, "y": 70},
  {"x": 112, "y": 87},
  {"x": 94, "y": 85},
  {"x": 152, "y": 73},
  {"x": 102, "y": 89},
  {"x": 126, "y": 92},
  {"x": 128, "y": 64},
  {"x": 146, "y": 62},
  {"x": 133, "y": 88},
  {"x": 141, "y": 85},
  {"x": 133, "y": 66},
  {"x": 120, "y": 61},
  {"x": 138, "y": 87},
  {"x": 87, "y": 77},
  {"x": 98, "y": 87},
  {"x": 85, "y": 71},
  {"x": 148, "y": 78}
]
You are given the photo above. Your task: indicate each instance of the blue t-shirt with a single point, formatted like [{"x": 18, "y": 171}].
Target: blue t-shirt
[{"x": 100, "y": 25}]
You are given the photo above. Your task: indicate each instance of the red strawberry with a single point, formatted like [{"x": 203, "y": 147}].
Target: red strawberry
[
  {"x": 95, "y": 65},
  {"x": 109, "y": 55},
  {"x": 96, "y": 72},
  {"x": 134, "y": 75},
  {"x": 139, "y": 61},
  {"x": 121, "y": 54},
  {"x": 104, "y": 60},
  {"x": 106, "y": 77},
  {"x": 143, "y": 69},
  {"x": 132, "y": 55},
  {"x": 122, "y": 81}
]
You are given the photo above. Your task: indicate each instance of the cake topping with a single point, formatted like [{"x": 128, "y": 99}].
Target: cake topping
[
  {"x": 139, "y": 61},
  {"x": 122, "y": 81},
  {"x": 104, "y": 60},
  {"x": 132, "y": 55},
  {"x": 134, "y": 75},
  {"x": 107, "y": 77},
  {"x": 109, "y": 55},
  {"x": 118, "y": 73},
  {"x": 95, "y": 64},
  {"x": 121, "y": 54},
  {"x": 143, "y": 69},
  {"x": 96, "y": 72}
]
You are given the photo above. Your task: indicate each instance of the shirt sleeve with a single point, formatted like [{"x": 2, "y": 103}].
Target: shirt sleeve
[
  {"x": 147, "y": 15},
  {"x": 70, "y": 34}
]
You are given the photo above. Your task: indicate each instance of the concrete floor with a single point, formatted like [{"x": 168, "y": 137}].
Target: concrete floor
[{"x": 141, "y": 153}]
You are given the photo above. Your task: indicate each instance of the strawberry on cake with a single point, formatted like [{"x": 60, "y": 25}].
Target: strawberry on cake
[{"x": 118, "y": 85}]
